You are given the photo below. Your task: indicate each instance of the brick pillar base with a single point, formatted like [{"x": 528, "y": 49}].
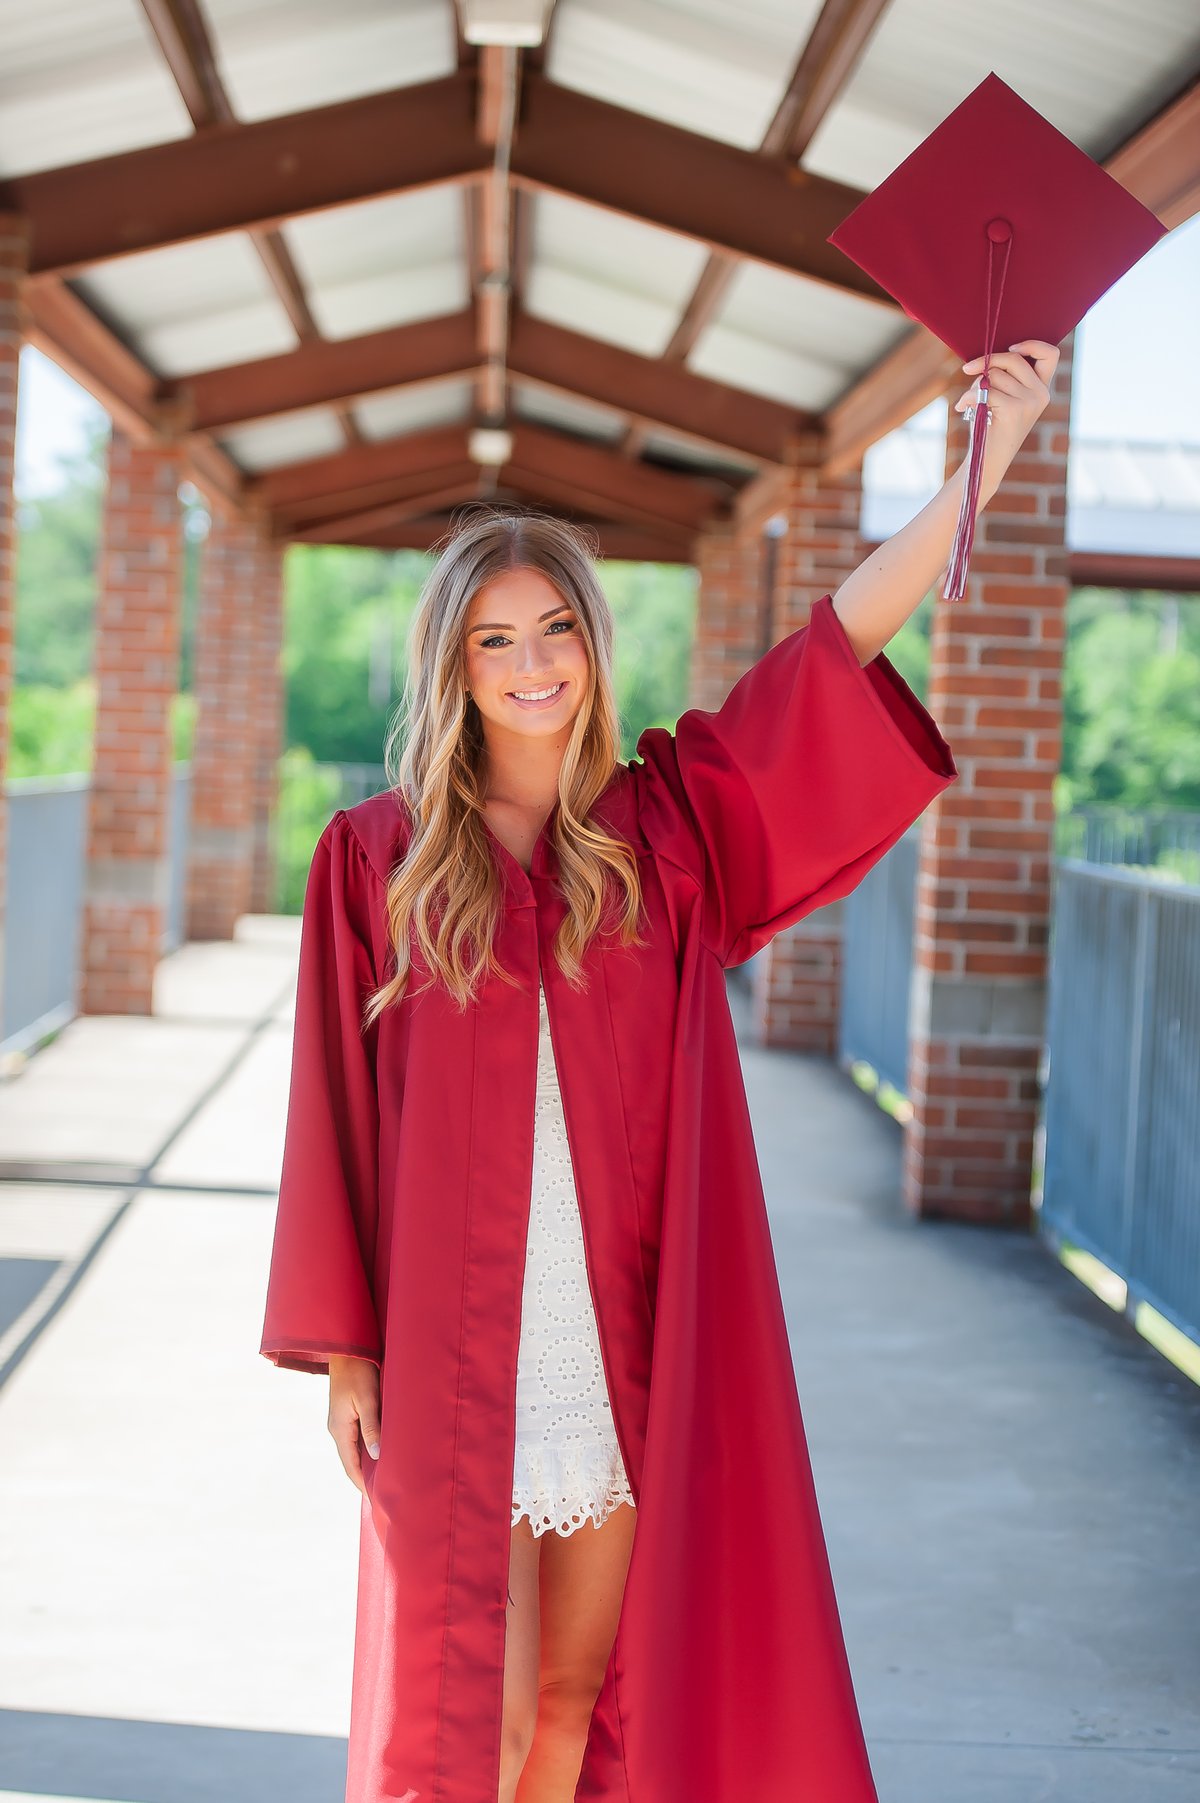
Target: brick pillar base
[
  {"x": 137, "y": 671},
  {"x": 225, "y": 754},
  {"x": 797, "y": 980},
  {"x": 14, "y": 251},
  {"x": 983, "y": 899},
  {"x": 267, "y": 638}
]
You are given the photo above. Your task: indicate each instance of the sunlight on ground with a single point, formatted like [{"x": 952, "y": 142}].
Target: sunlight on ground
[{"x": 1162, "y": 1334}]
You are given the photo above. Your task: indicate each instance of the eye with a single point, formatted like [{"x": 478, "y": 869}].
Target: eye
[{"x": 498, "y": 638}]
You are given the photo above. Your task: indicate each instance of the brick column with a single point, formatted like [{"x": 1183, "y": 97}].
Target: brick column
[
  {"x": 14, "y": 251},
  {"x": 983, "y": 902},
  {"x": 225, "y": 752},
  {"x": 731, "y": 610},
  {"x": 267, "y": 639},
  {"x": 797, "y": 979},
  {"x": 137, "y": 669}
]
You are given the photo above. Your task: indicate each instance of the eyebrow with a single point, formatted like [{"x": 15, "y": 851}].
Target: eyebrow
[{"x": 506, "y": 626}]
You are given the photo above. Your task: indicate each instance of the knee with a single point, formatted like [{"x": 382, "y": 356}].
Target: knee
[
  {"x": 517, "y": 1738},
  {"x": 565, "y": 1705}
]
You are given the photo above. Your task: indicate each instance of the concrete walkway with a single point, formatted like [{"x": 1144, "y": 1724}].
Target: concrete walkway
[{"x": 1008, "y": 1474}]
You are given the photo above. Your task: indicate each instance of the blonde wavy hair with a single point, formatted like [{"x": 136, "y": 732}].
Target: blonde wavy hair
[{"x": 446, "y": 893}]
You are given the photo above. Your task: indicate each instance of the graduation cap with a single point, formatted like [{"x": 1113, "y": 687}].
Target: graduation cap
[{"x": 995, "y": 229}]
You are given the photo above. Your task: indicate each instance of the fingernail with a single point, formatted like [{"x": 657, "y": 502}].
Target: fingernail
[{"x": 373, "y": 1448}]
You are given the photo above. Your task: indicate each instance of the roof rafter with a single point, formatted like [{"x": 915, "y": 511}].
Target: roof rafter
[
  {"x": 237, "y": 177},
  {"x": 828, "y": 59},
  {"x": 616, "y": 541},
  {"x": 664, "y": 395},
  {"x": 440, "y": 489},
  {"x": 367, "y": 475},
  {"x": 182, "y": 34}
]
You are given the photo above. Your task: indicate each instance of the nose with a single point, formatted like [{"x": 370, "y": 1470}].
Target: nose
[{"x": 532, "y": 661}]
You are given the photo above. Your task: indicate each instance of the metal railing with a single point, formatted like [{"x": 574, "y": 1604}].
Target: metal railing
[
  {"x": 1122, "y": 1099},
  {"x": 44, "y": 893},
  {"x": 1122, "y": 1103},
  {"x": 877, "y": 963}
]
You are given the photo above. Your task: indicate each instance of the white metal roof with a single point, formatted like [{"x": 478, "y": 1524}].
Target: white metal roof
[
  {"x": 1122, "y": 496},
  {"x": 84, "y": 78}
]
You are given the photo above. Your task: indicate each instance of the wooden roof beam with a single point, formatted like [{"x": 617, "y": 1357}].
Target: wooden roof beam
[
  {"x": 435, "y": 490},
  {"x": 616, "y": 542},
  {"x": 239, "y": 177},
  {"x": 727, "y": 419},
  {"x": 567, "y": 468}
]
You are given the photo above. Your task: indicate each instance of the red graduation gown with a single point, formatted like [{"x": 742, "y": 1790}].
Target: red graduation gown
[{"x": 401, "y": 1228}]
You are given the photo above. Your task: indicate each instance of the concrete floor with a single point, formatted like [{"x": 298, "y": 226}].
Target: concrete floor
[{"x": 1008, "y": 1474}]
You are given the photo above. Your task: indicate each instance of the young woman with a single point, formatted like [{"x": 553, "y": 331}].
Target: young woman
[{"x": 521, "y": 1223}]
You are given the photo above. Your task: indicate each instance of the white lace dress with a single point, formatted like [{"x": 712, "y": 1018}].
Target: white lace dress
[{"x": 568, "y": 1467}]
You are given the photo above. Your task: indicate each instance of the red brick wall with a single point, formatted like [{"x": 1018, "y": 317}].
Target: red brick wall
[
  {"x": 14, "y": 246},
  {"x": 731, "y": 615},
  {"x": 225, "y": 755},
  {"x": 267, "y": 654},
  {"x": 983, "y": 898},
  {"x": 137, "y": 672},
  {"x": 797, "y": 980}
]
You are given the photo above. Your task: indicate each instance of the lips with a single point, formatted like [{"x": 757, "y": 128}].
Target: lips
[{"x": 543, "y": 701}]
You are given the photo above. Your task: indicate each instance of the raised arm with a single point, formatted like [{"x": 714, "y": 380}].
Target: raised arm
[{"x": 876, "y": 599}]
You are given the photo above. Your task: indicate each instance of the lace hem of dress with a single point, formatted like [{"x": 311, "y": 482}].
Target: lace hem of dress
[{"x": 562, "y": 1487}]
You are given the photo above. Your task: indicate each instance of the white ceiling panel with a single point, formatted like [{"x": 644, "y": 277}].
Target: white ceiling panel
[
  {"x": 816, "y": 337},
  {"x": 382, "y": 263},
  {"x": 391, "y": 298},
  {"x": 586, "y": 306},
  {"x": 599, "y": 272},
  {"x": 195, "y": 306},
  {"x": 81, "y": 79},
  {"x": 1101, "y": 66},
  {"x": 314, "y": 432},
  {"x": 718, "y": 67},
  {"x": 788, "y": 376},
  {"x": 701, "y": 457},
  {"x": 284, "y": 56},
  {"x": 415, "y": 409},
  {"x": 552, "y": 409}
]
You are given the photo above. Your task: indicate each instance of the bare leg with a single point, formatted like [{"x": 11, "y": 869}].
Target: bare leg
[
  {"x": 521, "y": 1651},
  {"x": 582, "y": 1585}
]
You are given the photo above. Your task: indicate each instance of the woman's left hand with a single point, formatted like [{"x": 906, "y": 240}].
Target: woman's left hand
[{"x": 1017, "y": 395}]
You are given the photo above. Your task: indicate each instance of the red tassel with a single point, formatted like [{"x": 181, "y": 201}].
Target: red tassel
[
  {"x": 964, "y": 532},
  {"x": 998, "y": 231}
]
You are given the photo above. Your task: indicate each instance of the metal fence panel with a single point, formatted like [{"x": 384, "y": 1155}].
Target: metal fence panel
[
  {"x": 47, "y": 840},
  {"x": 1123, "y": 1091},
  {"x": 877, "y": 939}
]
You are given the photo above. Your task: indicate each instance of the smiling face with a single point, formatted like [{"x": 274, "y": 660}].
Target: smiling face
[{"x": 526, "y": 661}]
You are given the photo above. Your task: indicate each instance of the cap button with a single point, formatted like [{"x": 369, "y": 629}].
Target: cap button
[{"x": 999, "y": 231}]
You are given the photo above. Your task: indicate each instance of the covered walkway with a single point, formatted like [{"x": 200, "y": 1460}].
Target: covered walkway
[{"x": 1006, "y": 1470}]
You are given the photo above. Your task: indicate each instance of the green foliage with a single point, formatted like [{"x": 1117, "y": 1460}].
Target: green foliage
[
  {"x": 1131, "y": 700},
  {"x": 1131, "y": 725},
  {"x": 52, "y": 728},
  {"x": 309, "y": 793},
  {"x": 655, "y": 610},
  {"x": 347, "y": 614},
  {"x": 59, "y": 540}
]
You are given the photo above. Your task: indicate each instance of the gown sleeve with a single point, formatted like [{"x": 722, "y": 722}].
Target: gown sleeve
[
  {"x": 783, "y": 797},
  {"x": 319, "y": 1296}
]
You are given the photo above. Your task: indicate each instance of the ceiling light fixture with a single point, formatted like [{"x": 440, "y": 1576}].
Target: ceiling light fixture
[
  {"x": 490, "y": 445},
  {"x": 521, "y": 22}
]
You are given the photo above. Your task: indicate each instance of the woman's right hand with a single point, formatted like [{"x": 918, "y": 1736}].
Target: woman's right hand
[{"x": 354, "y": 1412}]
